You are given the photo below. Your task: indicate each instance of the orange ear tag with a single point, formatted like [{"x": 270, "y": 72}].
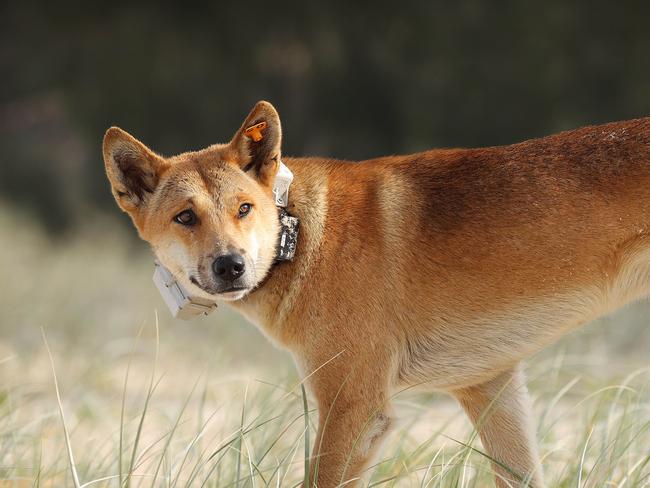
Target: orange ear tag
[{"x": 255, "y": 131}]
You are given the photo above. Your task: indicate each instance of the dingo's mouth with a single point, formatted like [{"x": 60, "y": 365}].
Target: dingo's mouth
[
  {"x": 234, "y": 293},
  {"x": 226, "y": 292}
]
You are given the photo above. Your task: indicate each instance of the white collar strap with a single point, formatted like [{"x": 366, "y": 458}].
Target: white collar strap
[{"x": 283, "y": 179}]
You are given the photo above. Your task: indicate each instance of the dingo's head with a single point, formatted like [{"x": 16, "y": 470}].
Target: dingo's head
[{"x": 209, "y": 215}]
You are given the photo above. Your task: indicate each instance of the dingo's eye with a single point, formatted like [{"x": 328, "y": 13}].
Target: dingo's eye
[
  {"x": 186, "y": 217},
  {"x": 244, "y": 210}
]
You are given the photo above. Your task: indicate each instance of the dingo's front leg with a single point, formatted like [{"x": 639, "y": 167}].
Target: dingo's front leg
[
  {"x": 500, "y": 410},
  {"x": 353, "y": 419}
]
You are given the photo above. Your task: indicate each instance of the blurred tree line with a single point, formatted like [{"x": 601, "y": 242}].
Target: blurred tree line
[{"x": 351, "y": 80}]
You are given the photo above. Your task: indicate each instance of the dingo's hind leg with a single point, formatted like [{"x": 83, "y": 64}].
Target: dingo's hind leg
[{"x": 501, "y": 412}]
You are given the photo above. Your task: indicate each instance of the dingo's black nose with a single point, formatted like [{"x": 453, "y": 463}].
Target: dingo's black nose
[{"x": 229, "y": 267}]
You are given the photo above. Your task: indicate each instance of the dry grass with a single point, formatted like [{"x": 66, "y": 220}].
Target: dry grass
[{"x": 210, "y": 403}]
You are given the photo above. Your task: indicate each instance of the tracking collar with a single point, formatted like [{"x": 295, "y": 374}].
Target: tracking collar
[
  {"x": 289, "y": 225},
  {"x": 180, "y": 301}
]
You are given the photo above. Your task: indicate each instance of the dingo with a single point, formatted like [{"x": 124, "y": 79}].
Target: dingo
[{"x": 446, "y": 267}]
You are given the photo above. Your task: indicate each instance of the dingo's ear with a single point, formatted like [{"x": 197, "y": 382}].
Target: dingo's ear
[
  {"x": 133, "y": 169},
  {"x": 258, "y": 143}
]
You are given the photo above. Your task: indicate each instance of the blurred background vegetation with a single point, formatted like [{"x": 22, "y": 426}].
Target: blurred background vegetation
[{"x": 350, "y": 80}]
